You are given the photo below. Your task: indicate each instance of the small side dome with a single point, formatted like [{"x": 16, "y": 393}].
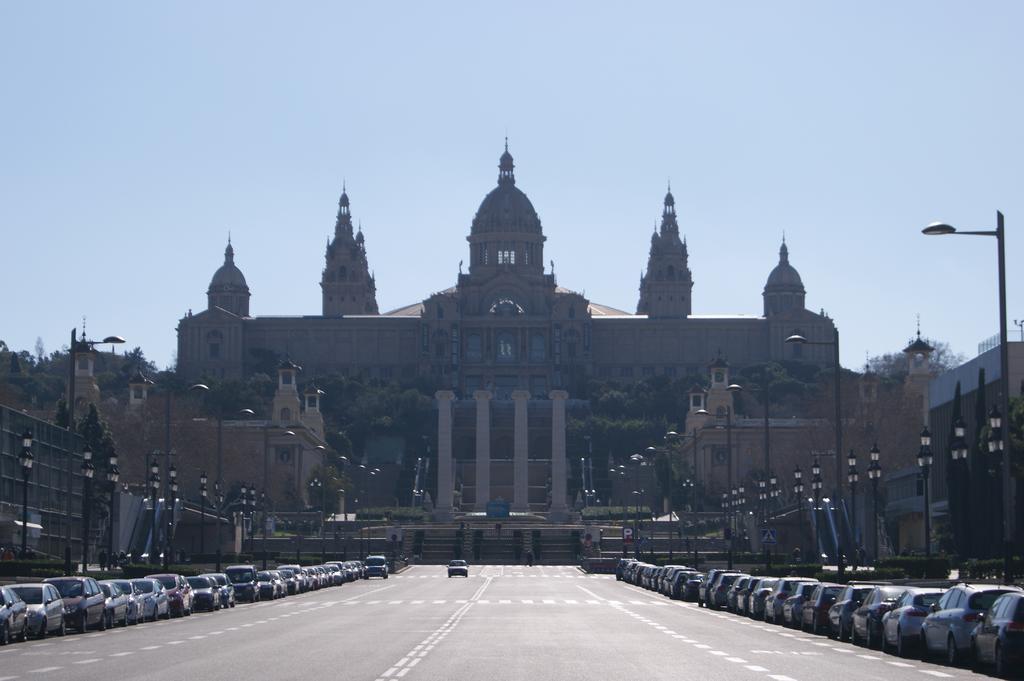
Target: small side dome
[{"x": 228, "y": 278}]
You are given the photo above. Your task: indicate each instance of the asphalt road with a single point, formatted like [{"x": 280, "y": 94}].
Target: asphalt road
[{"x": 508, "y": 622}]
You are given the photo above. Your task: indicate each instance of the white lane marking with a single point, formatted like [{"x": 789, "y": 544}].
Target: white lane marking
[
  {"x": 781, "y": 677},
  {"x": 941, "y": 675},
  {"x": 440, "y": 602},
  {"x": 415, "y": 662},
  {"x": 717, "y": 652},
  {"x": 149, "y": 647},
  {"x": 756, "y": 668},
  {"x": 401, "y": 663},
  {"x": 905, "y": 665},
  {"x": 738, "y": 660},
  {"x": 548, "y": 601},
  {"x": 112, "y": 655},
  {"x": 869, "y": 657},
  {"x": 89, "y": 661},
  {"x": 402, "y": 672},
  {"x": 44, "y": 670}
]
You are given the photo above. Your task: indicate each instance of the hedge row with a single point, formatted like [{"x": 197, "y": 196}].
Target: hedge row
[
  {"x": 991, "y": 568},
  {"x": 918, "y": 567},
  {"x": 884, "y": 574}
]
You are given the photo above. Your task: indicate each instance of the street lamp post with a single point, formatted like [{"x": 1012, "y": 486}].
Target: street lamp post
[
  {"x": 798, "y": 492},
  {"x": 172, "y": 486},
  {"x": 264, "y": 501},
  {"x": 938, "y": 229},
  {"x": 113, "y": 475},
  {"x": 837, "y": 494},
  {"x": 816, "y": 489},
  {"x": 87, "y": 472},
  {"x": 852, "y": 476},
  {"x": 762, "y": 498},
  {"x": 202, "y": 512},
  {"x": 317, "y": 483},
  {"x": 924, "y": 462},
  {"x": 959, "y": 452},
  {"x": 218, "y": 491},
  {"x": 26, "y": 461},
  {"x": 154, "y": 488},
  {"x": 875, "y": 474}
]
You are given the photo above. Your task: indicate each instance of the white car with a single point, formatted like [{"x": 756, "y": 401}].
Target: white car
[{"x": 458, "y": 567}]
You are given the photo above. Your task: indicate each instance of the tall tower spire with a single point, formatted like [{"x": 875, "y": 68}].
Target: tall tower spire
[
  {"x": 666, "y": 286},
  {"x": 346, "y": 284}
]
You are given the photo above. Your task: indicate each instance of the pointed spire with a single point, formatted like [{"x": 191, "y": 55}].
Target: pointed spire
[
  {"x": 229, "y": 253},
  {"x": 505, "y": 167},
  {"x": 343, "y": 225},
  {"x": 668, "y": 214},
  {"x": 784, "y": 252}
]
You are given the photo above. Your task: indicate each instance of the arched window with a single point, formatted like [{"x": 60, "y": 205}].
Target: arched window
[
  {"x": 506, "y": 350},
  {"x": 538, "y": 347},
  {"x": 213, "y": 342},
  {"x": 342, "y": 273}
]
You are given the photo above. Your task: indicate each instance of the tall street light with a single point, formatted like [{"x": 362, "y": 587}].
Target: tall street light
[
  {"x": 924, "y": 462},
  {"x": 798, "y": 492},
  {"x": 113, "y": 475},
  {"x": 26, "y": 459},
  {"x": 837, "y": 494},
  {"x": 958, "y": 452},
  {"x": 154, "y": 489},
  {"x": 202, "y": 512},
  {"x": 816, "y": 490},
  {"x": 638, "y": 460},
  {"x": 172, "y": 486},
  {"x": 941, "y": 229},
  {"x": 87, "y": 472},
  {"x": 875, "y": 475},
  {"x": 998, "y": 452},
  {"x": 853, "y": 477},
  {"x": 218, "y": 491}
]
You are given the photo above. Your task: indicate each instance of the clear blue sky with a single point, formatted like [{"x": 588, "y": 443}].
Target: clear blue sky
[{"x": 134, "y": 136}]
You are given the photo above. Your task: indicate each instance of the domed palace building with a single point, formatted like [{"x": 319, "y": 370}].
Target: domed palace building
[{"x": 506, "y": 344}]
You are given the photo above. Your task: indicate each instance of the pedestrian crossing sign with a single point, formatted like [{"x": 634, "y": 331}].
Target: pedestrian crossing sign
[{"x": 769, "y": 535}]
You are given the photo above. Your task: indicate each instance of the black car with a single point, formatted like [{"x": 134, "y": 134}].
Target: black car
[
  {"x": 999, "y": 637},
  {"x": 840, "y": 615},
  {"x": 867, "y": 619},
  {"x": 205, "y": 593},
  {"x": 243, "y": 579}
]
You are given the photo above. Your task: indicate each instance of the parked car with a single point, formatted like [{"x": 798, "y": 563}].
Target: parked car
[
  {"x": 620, "y": 566},
  {"x": 243, "y": 579},
  {"x": 205, "y": 593},
  {"x": 134, "y": 599},
  {"x": 13, "y": 617},
  {"x": 376, "y": 566},
  {"x": 947, "y": 630},
  {"x": 866, "y": 621},
  {"x": 758, "y": 596},
  {"x": 179, "y": 593},
  {"x": 814, "y": 617},
  {"x": 45, "y": 608},
  {"x": 300, "y": 575},
  {"x": 265, "y": 584},
  {"x": 840, "y": 615},
  {"x": 720, "y": 591},
  {"x": 784, "y": 588},
  {"x": 792, "y": 607},
  {"x": 691, "y": 590},
  {"x": 280, "y": 588},
  {"x": 998, "y": 639},
  {"x": 154, "y": 599},
  {"x": 901, "y": 626},
  {"x": 704, "y": 599},
  {"x": 736, "y": 596},
  {"x": 225, "y": 589},
  {"x": 457, "y": 568},
  {"x": 291, "y": 581},
  {"x": 116, "y": 606},
  {"x": 84, "y": 602},
  {"x": 677, "y": 588}
]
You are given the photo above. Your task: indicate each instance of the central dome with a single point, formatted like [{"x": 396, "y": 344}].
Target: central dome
[
  {"x": 228, "y": 278},
  {"x": 506, "y": 208}
]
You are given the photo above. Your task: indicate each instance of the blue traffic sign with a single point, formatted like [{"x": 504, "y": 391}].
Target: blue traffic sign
[{"x": 769, "y": 535}]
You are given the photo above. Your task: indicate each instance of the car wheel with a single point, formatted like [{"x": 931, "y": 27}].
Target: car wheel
[
  {"x": 103, "y": 622},
  {"x": 952, "y": 654},
  {"x": 5, "y": 635},
  {"x": 41, "y": 634}
]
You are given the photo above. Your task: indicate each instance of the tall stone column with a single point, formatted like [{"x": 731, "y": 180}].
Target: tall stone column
[
  {"x": 521, "y": 453},
  {"x": 483, "y": 448},
  {"x": 559, "y": 510},
  {"x": 445, "y": 472}
]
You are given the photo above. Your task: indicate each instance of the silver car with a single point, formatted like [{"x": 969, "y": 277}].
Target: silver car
[
  {"x": 134, "y": 599},
  {"x": 947, "y": 630},
  {"x": 45, "y": 608},
  {"x": 901, "y": 626},
  {"x": 154, "y": 599}
]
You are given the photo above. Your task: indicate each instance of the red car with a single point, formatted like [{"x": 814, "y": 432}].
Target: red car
[{"x": 179, "y": 593}]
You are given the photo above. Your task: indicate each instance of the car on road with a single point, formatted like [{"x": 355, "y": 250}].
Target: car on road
[
  {"x": 793, "y": 607},
  {"x": 998, "y": 640},
  {"x": 291, "y": 580},
  {"x": 154, "y": 599},
  {"x": 677, "y": 588},
  {"x": 901, "y": 626},
  {"x": 225, "y": 590},
  {"x": 84, "y": 602},
  {"x": 758, "y": 596},
  {"x": 947, "y": 630},
  {"x": 620, "y": 566},
  {"x": 376, "y": 566},
  {"x": 116, "y": 606},
  {"x": 704, "y": 599},
  {"x": 840, "y": 615},
  {"x": 691, "y": 590},
  {"x": 205, "y": 593},
  {"x": 13, "y": 617},
  {"x": 718, "y": 594},
  {"x": 735, "y": 598},
  {"x": 243, "y": 579},
  {"x": 815, "y": 612},
  {"x": 134, "y": 599},
  {"x": 265, "y": 583},
  {"x": 179, "y": 593},
  {"x": 784, "y": 588},
  {"x": 866, "y": 621},
  {"x": 45, "y": 608},
  {"x": 458, "y": 568}
]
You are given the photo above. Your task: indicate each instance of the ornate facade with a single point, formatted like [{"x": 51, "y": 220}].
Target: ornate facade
[{"x": 506, "y": 324}]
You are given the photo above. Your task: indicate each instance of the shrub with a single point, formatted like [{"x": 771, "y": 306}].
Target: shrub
[
  {"x": 883, "y": 574},
  {"x": 138, "y": 570},
  {"x": 990, "y": 568},
  {"x": 31, "y": 568},
  {"x": 919, "y": 567}
]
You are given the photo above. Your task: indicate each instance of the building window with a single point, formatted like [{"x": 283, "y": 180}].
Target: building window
[
  {"x": 648, "y": 371},
  {"x": 284, "y": 454},
  {"x": 385, "y": 373},
  {"x": 137, "y": 393},
  {"x": 538, "y": 385},
  {"x": 214, "y": 350},
  {"x": 473, "y": 383},
  {"x": 626, "y": 372},
  {"x": 506, "y": 347},
  {"x": 286, "y": 378},
  {"x": 670, "y": 372},
  {"x": 473, "y": 349},
  {"x": 538, "y": 347},
  {"x": 506, "y": 257},
  {"x": 695, "y": 401}
]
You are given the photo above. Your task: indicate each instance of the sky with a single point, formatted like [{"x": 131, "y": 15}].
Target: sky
[{"x": 134, "y": 137}]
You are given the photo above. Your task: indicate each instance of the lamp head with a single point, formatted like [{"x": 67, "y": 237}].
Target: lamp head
[
  {"x": 26, "y": 439},
  {"x": 926, "y": 437},
  {"x": 938, "y": 229},
  {"x": 796, "y": 338}
]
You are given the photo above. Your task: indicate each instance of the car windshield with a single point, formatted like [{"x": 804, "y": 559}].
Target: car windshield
[
  {"x": 124, "y": 586},
  {"x": 199, "y": 582},
  {"x": 727, "y": 580},
  {"x": 984, "y": 600},
  {"x": 68, "y": 588},
  {"x": 237, "y": 575},
  {"x": 168, "y": 581},
  {"x": 33, "y": 595},
  {"x": 264, "y": 576},
  {"x": 927, "y": 600},
  {"x": 287, "y": 574},
  {"x": 832, "y": 591},
  {"x": 375, "y": 561},
  {"x": 107, "y": 591},
  {"x": 457, "y": 563},
  {"x": 144, "y": 585}
]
